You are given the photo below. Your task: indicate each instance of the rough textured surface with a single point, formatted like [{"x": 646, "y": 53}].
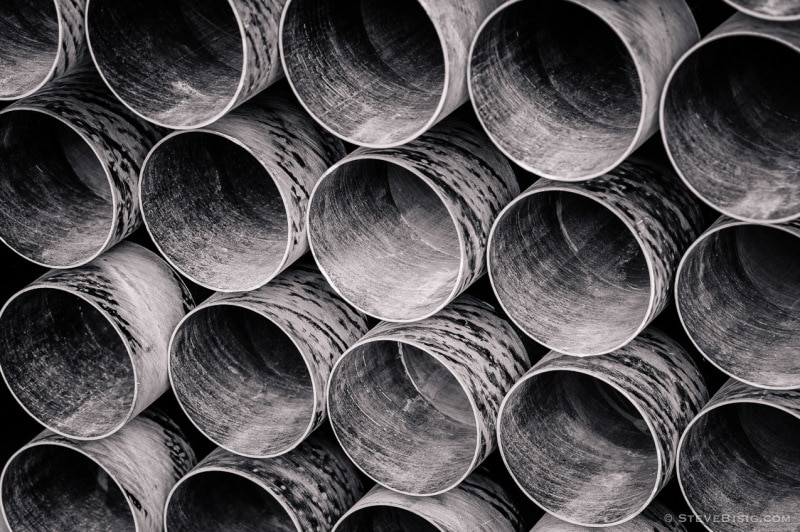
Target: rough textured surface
[
  {"x": 652, "y": 519},
  {"x": 781, "y": 10}
]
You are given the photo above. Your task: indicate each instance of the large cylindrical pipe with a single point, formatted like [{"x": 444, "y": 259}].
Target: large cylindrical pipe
[
  {"x": 183, "y": 64},
  {"x": 85, "y": 350},
  {"x": 736, "y": 292},
  {"x": 226, "y": 204},
  {"x": 730, "y": 119},
  {"x": 655, "y": 518},
  {"x": 777, "y": 10},
  {"x": 119, "y": 483},
  {"x": 401, "y": 232},
  {"x": 592, "y": 440},
  {"x": 70, "y": 156},
  {"x": 568, "y": 89},
  {"x": 584, "y": 267},
  {"x": 738, "y": 461}
]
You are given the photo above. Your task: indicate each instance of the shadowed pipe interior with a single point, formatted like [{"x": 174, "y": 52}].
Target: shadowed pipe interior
[
  {"x": 384, "y": 519},
  {"x": 29, "y": 44}
]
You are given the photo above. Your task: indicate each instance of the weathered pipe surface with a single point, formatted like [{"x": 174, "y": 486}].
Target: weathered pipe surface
[
  {"x": 736, "y": 291},
  {"x": 592, "y": 440},
  {"x": 379, "y": 73},
  {"x": 119, "y": 483},
  {"x": 250, "y": 369},
  {"x": 568, "y": 89},
  {"x": 655, "y": 518},
  {"x": 401, "y": 232},
  {"x": 70, "y": 156},
  {"x": 584, "y": 267},
  {"x": 304, "y": 490},
  {"x": 227, "y": 204},
  {"x": 739, "y": 457},
  {"x": 183, "y": 64},
  {"x": 777, "y": 10},
  {"x": 730, "y": 119},
  {"x": 85, "y": 350},
  {"x": 414, "y": 405}
]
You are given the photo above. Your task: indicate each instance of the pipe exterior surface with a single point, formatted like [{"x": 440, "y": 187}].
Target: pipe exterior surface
[
  {"x": 777, "y": 10},
  {"x": 655, "y": 518}
]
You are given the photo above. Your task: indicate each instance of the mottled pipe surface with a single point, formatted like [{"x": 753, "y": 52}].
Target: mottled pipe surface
[
  {"x": 568, "y": 89},
  {"x": 592, "y": 440},
  {"x": 736, "y": 291},
  {"x": 584, "y": 267},
  {"x": 730, "y": 118},
  {"x": 183, "y": 64},
  {"x": 400, "y": 232},
  {"x": 70, "y": 156},
  {"x": 777, "y": 10},
  {"x": 378, "y": 73},
  {"x": 739, "y": 457},
  {"x": 227, "y": 204},
  {"x": 85, "y": 350},
  {"x": 306, "y": 489},
  {"x": 655, "y": 518},
  {"x": 119, "y": 483},
  {"x": 250, "y": 369}
]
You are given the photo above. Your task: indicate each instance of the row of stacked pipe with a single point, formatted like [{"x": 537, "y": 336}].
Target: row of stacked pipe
[{"x": 362, "y": 386}]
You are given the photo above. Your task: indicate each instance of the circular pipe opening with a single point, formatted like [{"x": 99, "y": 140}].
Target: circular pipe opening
[
  {"x": 556, "y": 89},
  {"x": 731, "y": 124},
  {"x": 384, "y": 519},
  {"x": 570, "y": 272},
  {"x": 66, "y": 363},
  {"x": 50, "y": 487},
  {"x": 385, "y": 240},
  {"x": 177, "y": 63},
  {"x": 579, "y": 448},
  {"x": 403, "y": 417},
  {"x": 242, "y": 381},
  {"x": 769, "y": 9},
  {"x": 214, "y": 211},
  {"x": 372, "y": 72},
  {"x": 58, "y": 205}
]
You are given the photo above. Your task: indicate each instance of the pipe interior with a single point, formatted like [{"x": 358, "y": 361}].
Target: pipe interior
[
  {"x": 385, "y": 239},
  {"x": 772, "y": 8},
  {"x": 49, "y": 487},
  {"x": 743, "y": 459},
  {"x": 579, "y": 447},
  {"x": 215, "y": 211},
  {"x": 570, "y": 272},
  {"x": 66, "y": 363},
  {"x": 402, "y": 417},
  {"x": 372, "y": 71},
  {"x": 556, "y": 87},
  {"x": 56, "y": 196},
  {"x": 176, "y": 62},
  {"x": 737, "y": 295},
  {"x": 217, "y": 501},
  {"x": 732, "y": 125},
  {"x": 242, "y": 380},
  {"x": 29, "y": 44},
  {"x": 385, "y": 519}
]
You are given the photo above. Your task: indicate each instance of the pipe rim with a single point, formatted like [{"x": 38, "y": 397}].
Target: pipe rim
[
  {"x": 385, "y": 504},
  {"x": 739, "y": 6}
]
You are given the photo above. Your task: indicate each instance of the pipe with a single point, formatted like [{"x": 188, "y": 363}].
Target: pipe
[
  {"x": 119, "y": 483},
  {"x": 85, "y": 350},
  {"x": 584, "y": 267},
  {"x": 736, "y": 291},
  {"x": 739, "y": 458},
  {"x": 307, "y": 489},
  {"x": 592, "y": 440},
  {"x": 70, "y": 156},
  {"x": 568, "y": 89},
  {"x": 226, "y": 205},
  {"x": 654, "y": 518},
  {"x": 375, "y": 73},
  {"x": 183, "y": 64},
  {"x": 776, "y": 10},
  {"x": 730, "y": 118},
  {"x": 401, "y": 232},
  {"x": 414, "y": 405}
]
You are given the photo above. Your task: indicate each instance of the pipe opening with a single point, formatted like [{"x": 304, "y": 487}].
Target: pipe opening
[
  {"x": 783, "y": 9},
  {"x": 50, "y": 487},
  {"x": 65, "y": 363},
  {"x": 29, "y": 44},
  {"x": 570, "y": 273},
  {"x": 732, "y": 126},
  {"x": 579, "y": 448},
  {"x": 57, "y": 199},
  {"x": 214, "y": 211},
  {"x": 403, "y": 417},
  {"x": 384, "y": 519},
  {"x": 385, "y": 239},
  {"x": 557, "y": 89},
  {"x": 178, "y": 63},
  {"x": 371, "y": 71}
]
